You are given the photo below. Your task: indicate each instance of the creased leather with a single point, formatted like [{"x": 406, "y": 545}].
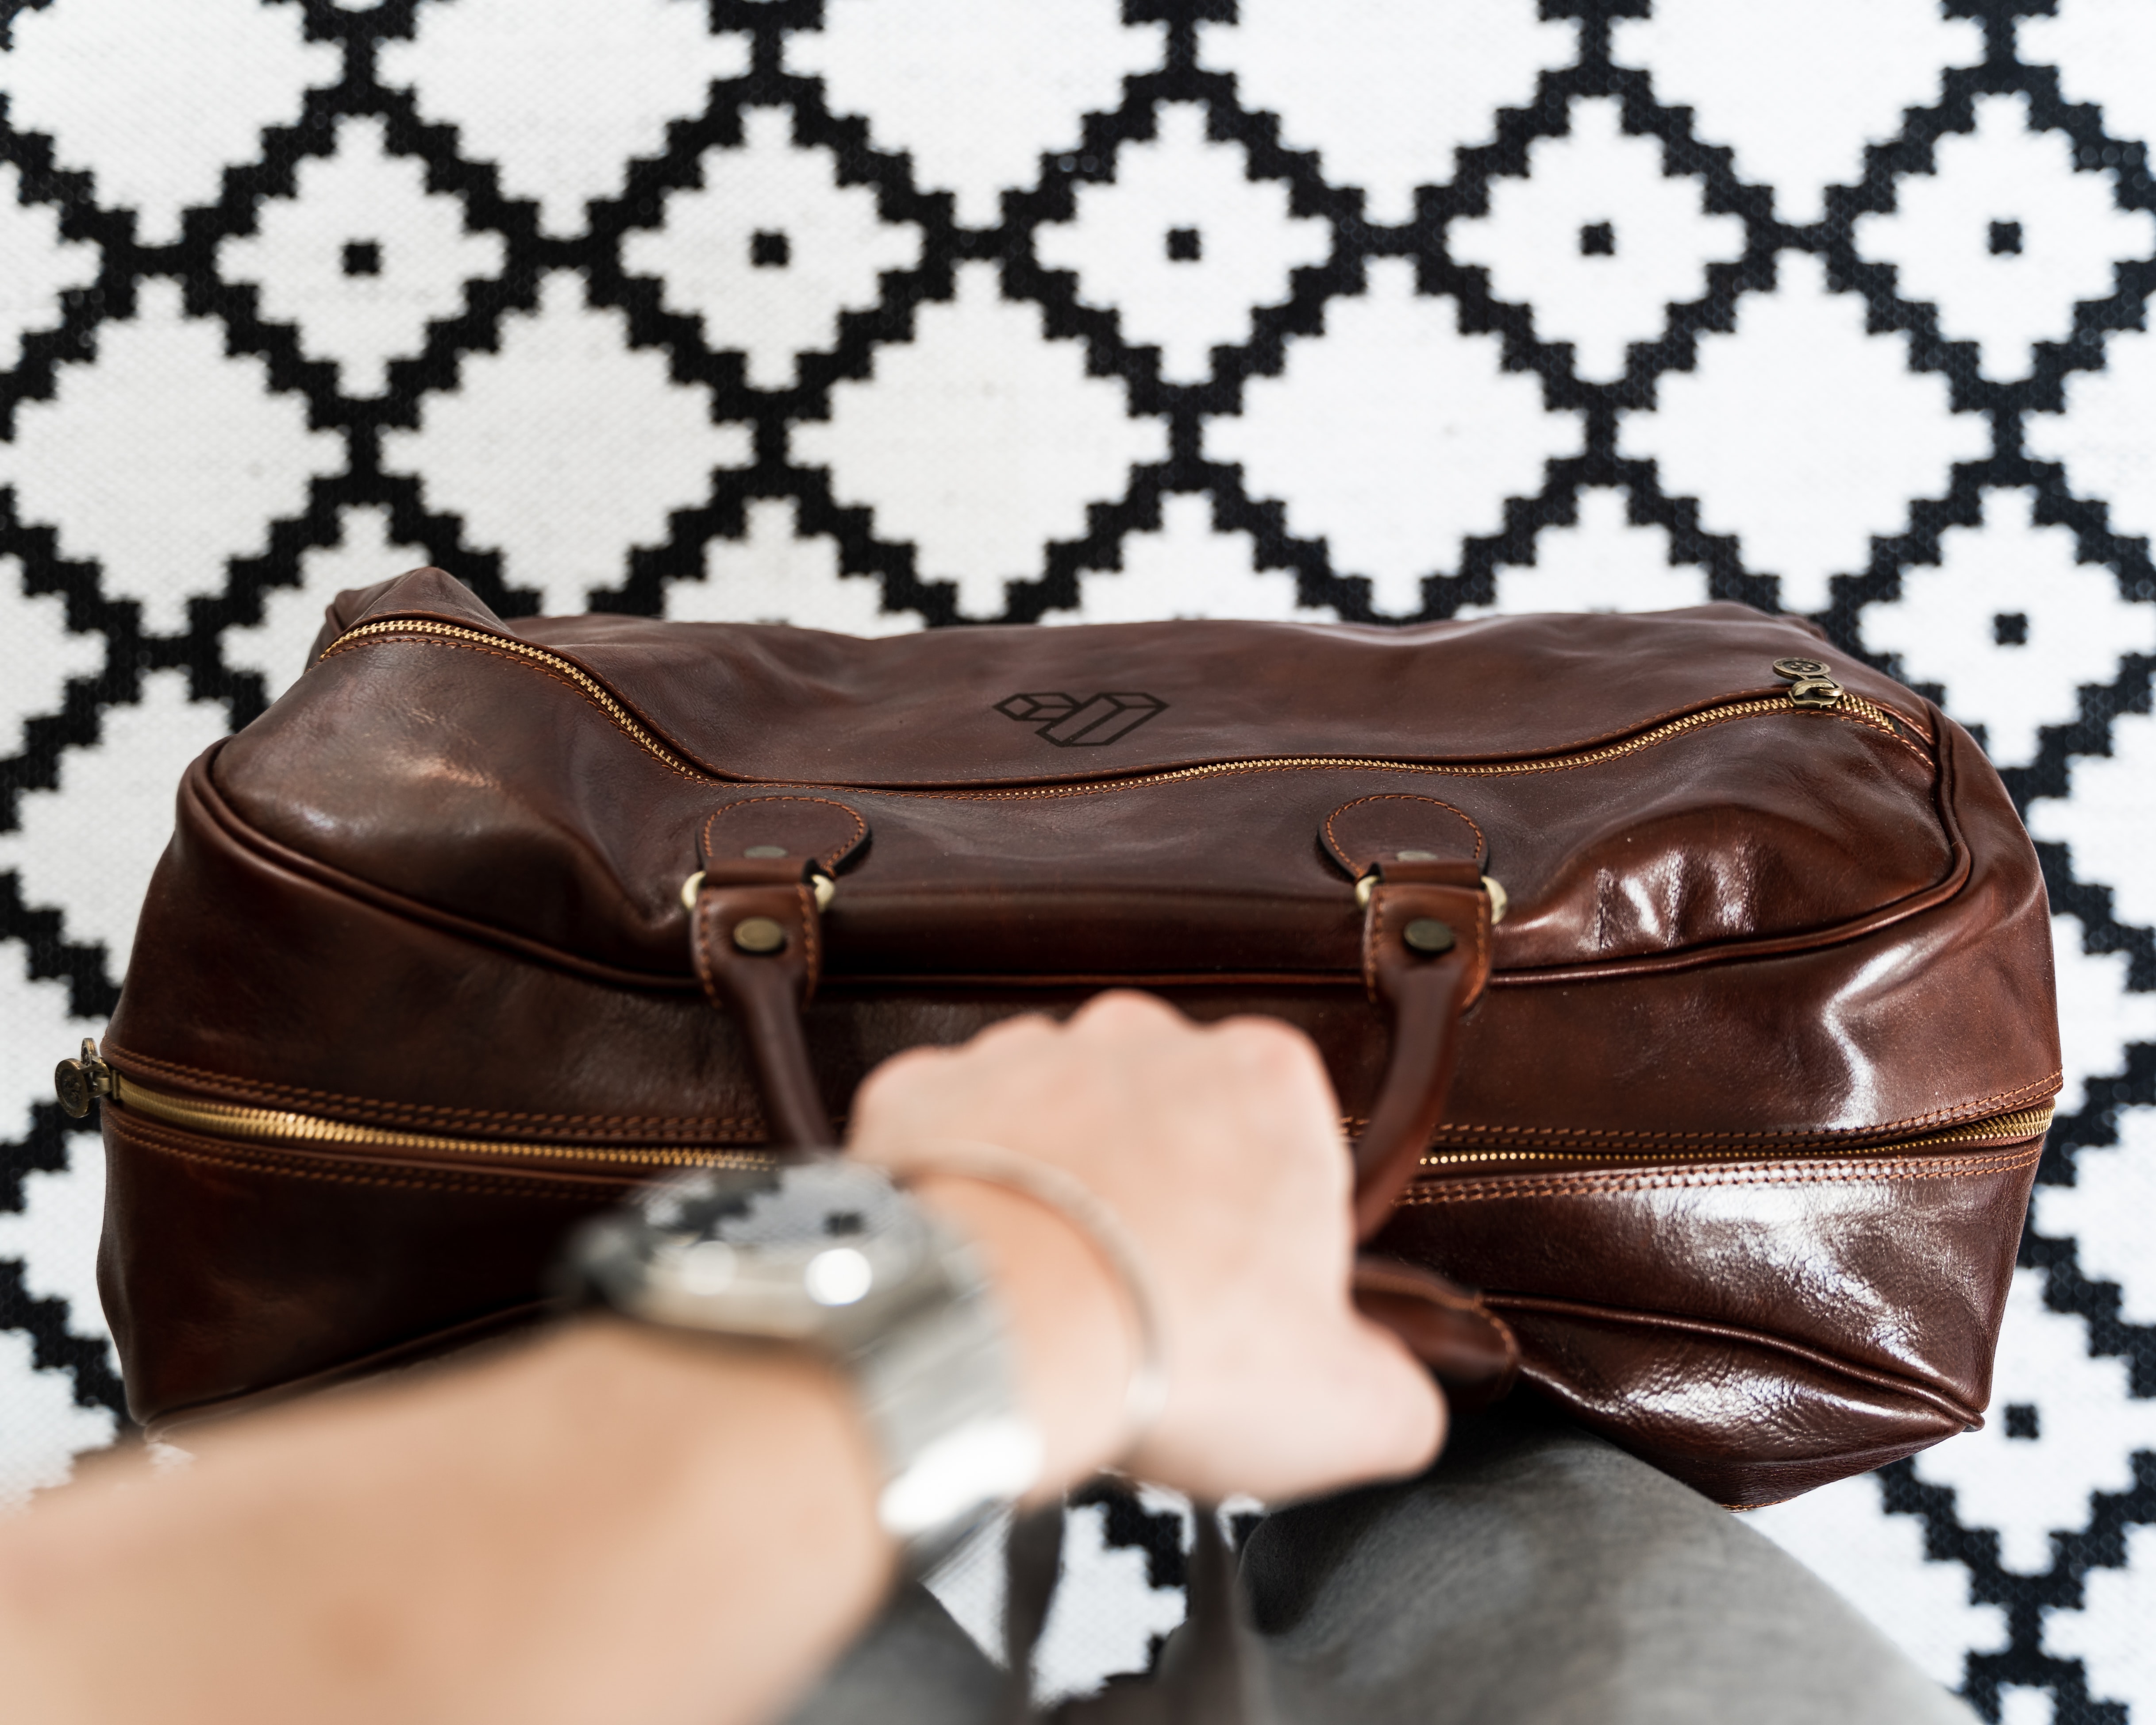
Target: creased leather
[{"x": 1754, "y": 954}]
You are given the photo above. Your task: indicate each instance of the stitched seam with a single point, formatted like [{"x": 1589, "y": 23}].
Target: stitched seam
[
  {"x": 269, "y": 1162},
  {"x": 811, "y": 952},
  {"x": 599, "y": 1125},
  {"x": 1442, "y": 1191},
  {"x": 1332, "y": 839},
  {"x": 1963, "y": 1111},
  {"x": 706, "y": 909},
  {"x": 830, "y": 859}
]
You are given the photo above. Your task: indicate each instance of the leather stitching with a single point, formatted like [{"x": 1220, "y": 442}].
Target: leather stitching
[
  {"x": 1997, "y": 1103},
  {"x": 1333, "y": 840},
  {"x": 478, "y": 1183},
  {"x": 1444, "y": 1191},
  {"x": 602, "y": 1125},
  {"x": 830, "y": 859},
  {"x": 699, "y": 947},
  {"x": 812, "y": 956}
]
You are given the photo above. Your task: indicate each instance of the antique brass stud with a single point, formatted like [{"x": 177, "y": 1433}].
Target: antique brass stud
[
  {"x": 78, "y": 1083},
  {"x": 1416, "y": 856},
  {"x": 1500, "y": 900},
  {"x": 758, "y": 934},
  {"x": 765, "y": 850},
  {"x": 1814, "y": 683},
  {"x": 689, "y": 888},
  {"x": 1426, "y": 934}
]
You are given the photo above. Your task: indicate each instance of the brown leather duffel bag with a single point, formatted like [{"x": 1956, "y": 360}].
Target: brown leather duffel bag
[{"x": 1749, "y": 1057}]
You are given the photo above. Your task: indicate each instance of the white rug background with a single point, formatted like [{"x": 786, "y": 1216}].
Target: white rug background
[{"x": 876, "y": 313}]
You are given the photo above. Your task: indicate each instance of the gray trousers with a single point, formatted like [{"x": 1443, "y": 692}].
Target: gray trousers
[{"x": 1536, "y": 1576}]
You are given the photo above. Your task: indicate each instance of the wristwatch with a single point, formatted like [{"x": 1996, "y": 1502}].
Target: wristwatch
[{"x": 830, "y": 1254}]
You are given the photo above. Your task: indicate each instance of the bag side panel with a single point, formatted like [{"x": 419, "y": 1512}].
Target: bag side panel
[{"x": 229, "y": 1270}]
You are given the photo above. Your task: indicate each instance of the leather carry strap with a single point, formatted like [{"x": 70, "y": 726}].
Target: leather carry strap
[
  {"x": 755, "y": 930},
  {"x": 757, "y": 937}
]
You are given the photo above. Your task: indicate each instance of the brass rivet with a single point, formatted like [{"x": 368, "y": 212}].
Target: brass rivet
[
  {"x": 1426, "y": 934},
  {"x": 72, "y": 1084},
  {"x": 760, "y": 934},
  {"x": 764, "y": 850},
  {"x": 1801, "y": 669},
  {"x": 1500, "y": 900},
  {"x": 1416, "y": 855}
]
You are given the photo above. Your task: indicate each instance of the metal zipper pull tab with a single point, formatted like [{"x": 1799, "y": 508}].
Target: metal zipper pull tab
[
  {"x": 80, "y": 1082},
  {"x": 1812, "y": 684}
]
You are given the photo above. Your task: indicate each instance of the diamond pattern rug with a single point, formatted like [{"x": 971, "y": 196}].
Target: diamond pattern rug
[{"x": 881, "y": 314}]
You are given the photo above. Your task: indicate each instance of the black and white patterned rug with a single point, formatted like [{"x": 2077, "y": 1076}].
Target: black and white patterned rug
[{"x": 884, "y": 314}]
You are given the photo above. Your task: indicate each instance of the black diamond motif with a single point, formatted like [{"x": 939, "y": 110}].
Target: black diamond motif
[
  {"x": 363, "y": 257},
  {"x": 1597, "y": 239},
  {"x": 1183, "y": 245},
  {"x": 2006, "y": 239},
  {"x": 2010, "y": 629},
  {"x": 769, "y": 249},
  {"x": 2021, "y": 1420}
]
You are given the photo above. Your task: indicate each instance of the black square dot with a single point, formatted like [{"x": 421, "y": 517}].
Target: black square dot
[
  {"x": 769, "y": 249},
  {"x": 2010, "y": 629},
  {"x": 2020, "y": 1419},
  {"x": 1597, "y": 239},
  {"x": 363, "y": 257},
  {"x": 2006, "y": 239},
  {"x": 1183, "y": 245}
]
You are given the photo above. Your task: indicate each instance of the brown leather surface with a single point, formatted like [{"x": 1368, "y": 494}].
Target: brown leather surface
[
  {"x": 766, "y": 992},
  {"x": 1753, "y": 953}
]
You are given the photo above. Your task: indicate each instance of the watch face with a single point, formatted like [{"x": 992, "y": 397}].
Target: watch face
[{"x": 796, "y": 1251}]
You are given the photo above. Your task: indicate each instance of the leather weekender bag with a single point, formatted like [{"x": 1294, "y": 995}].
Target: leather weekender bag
[{"x": 1686, "y": 985}]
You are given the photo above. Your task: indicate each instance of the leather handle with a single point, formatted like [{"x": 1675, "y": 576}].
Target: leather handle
[
  {"x": 1425, "y": 958},
  {"x": 757, "y": 934},
  {"x": 757, "y": 938}
]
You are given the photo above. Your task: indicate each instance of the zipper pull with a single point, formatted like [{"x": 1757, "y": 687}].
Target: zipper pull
[
  {"x": 80, "y": 1082},
  {"x": 1813, "y": 685}
]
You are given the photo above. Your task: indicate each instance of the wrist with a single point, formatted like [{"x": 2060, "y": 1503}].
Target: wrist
[{"x": 1072, "y": 1338}]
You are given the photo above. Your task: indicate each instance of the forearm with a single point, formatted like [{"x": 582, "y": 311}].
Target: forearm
[
  {"x": 647, "y": 1529},
  {"x": 608, "y": 1523}
]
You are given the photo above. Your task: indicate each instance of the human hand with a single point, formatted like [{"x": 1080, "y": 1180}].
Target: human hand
[{"x": 1220, "y": 1148}]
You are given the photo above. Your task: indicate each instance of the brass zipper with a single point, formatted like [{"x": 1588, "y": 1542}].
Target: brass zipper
[
  {"x": 92, "y": 1076},
  {"x": 1998, "y": 1129},
  {"x": 1804, "y": 697}
]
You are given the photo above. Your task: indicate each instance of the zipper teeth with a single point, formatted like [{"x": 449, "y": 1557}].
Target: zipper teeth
[
  {"x": 225, "y": 1120},
  {"x": 2022, "y": 1123},
  {"x": 1853, "y": 707},
  {"x": 591, "y": 686}
]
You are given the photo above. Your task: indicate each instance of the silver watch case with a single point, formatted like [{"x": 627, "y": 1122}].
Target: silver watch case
[{"x": 830, "y": 1254}]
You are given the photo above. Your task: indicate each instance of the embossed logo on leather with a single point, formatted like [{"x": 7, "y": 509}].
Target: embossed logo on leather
[{"x": 1082, "y": 721}]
